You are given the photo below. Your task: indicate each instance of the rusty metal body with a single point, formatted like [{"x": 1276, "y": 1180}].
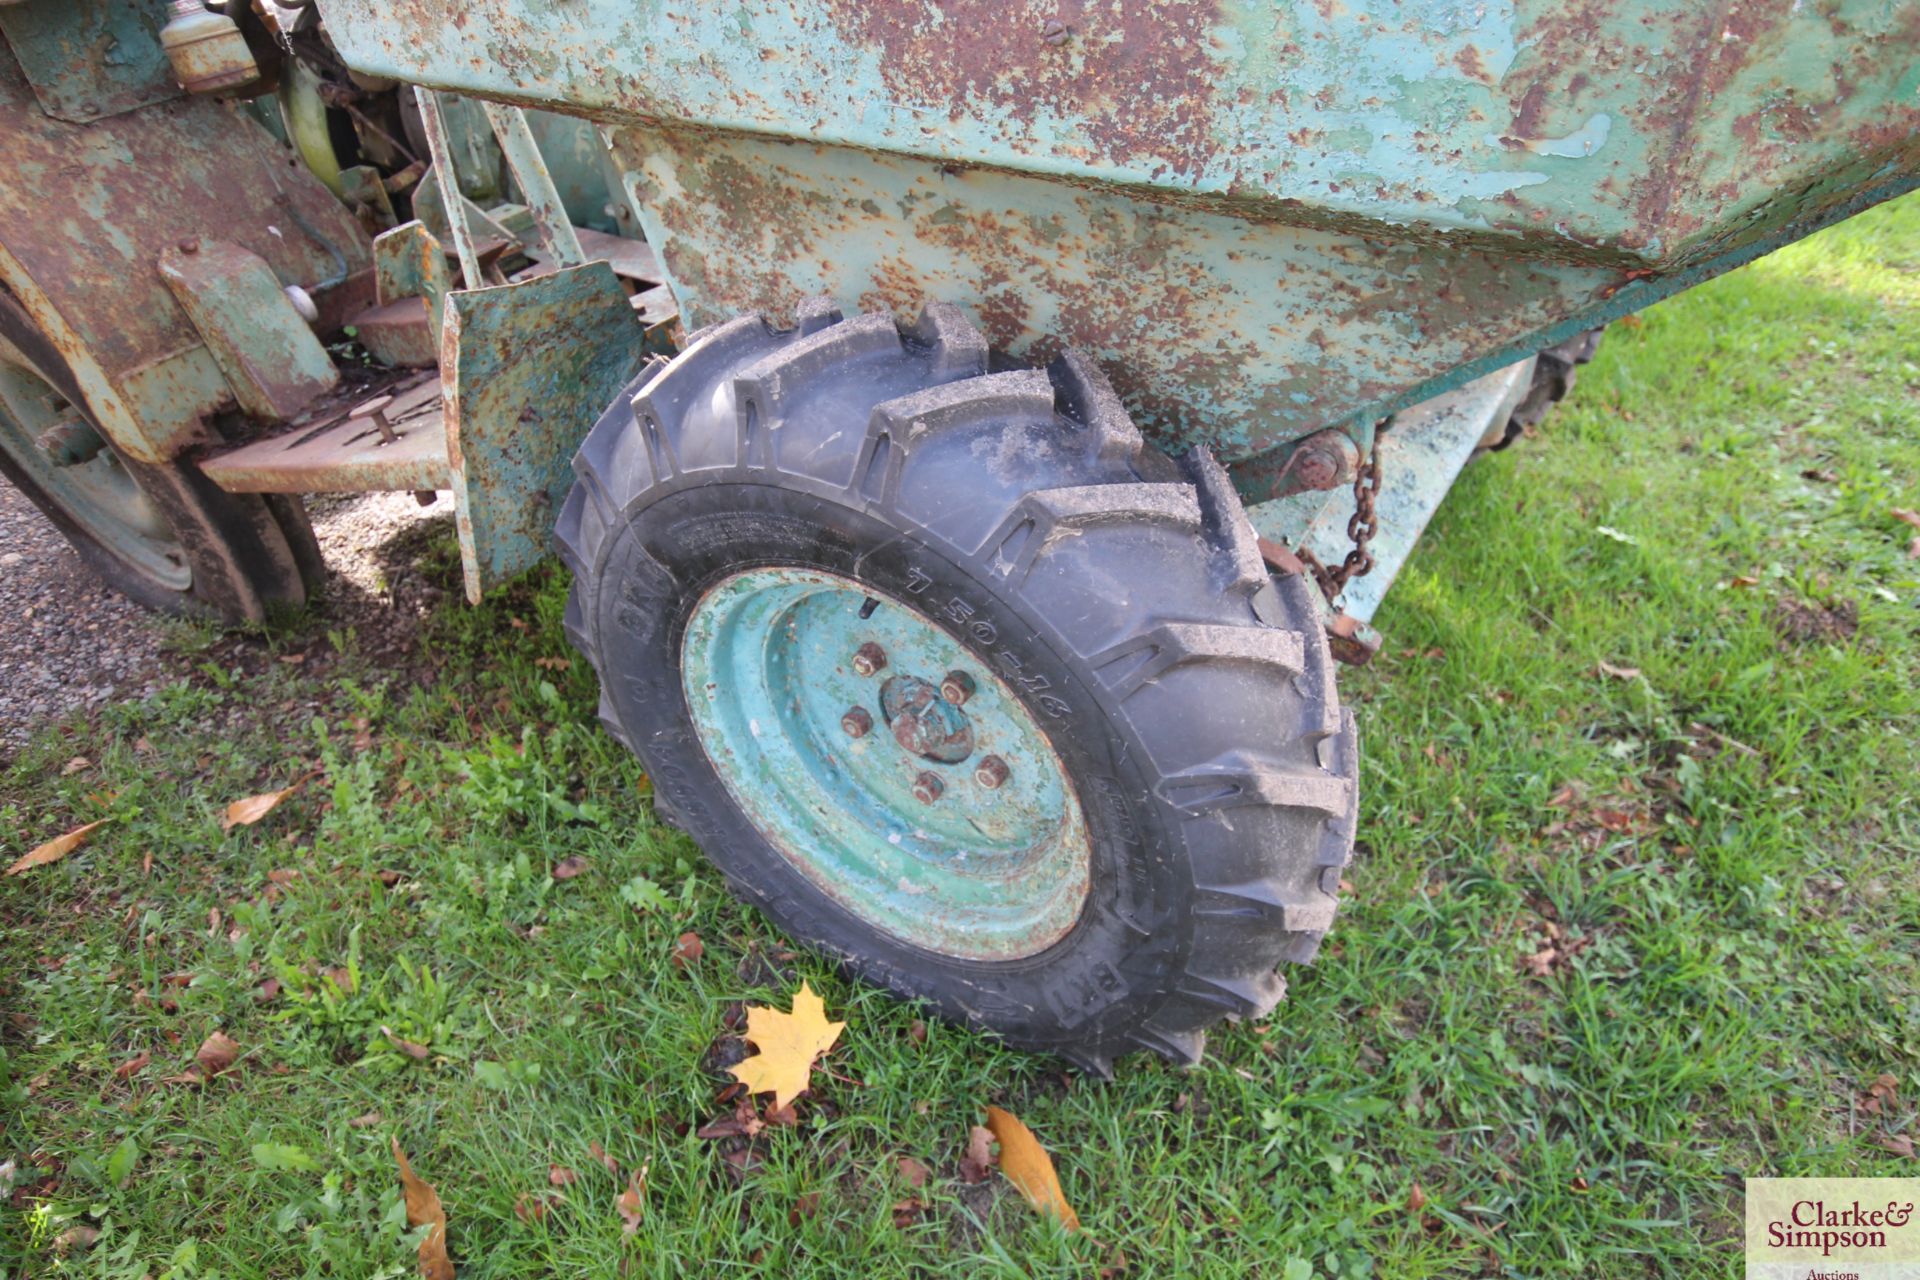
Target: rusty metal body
[
  {"x": 1271, "y": 224},
  {"x": 1262, "y": 219}
]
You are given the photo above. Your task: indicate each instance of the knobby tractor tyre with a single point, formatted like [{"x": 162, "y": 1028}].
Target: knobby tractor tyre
[
  {"x": 161, "y": 534},
  {"x": 816, "y": 567}
]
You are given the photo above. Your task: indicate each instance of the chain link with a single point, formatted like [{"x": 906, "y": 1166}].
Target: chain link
[{"x": 1360, "y": 527}]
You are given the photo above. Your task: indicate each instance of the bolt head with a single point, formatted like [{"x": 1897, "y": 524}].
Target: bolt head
[
  {"x": 991, "y": 772},
  {"x": 1318, "y": 469},
  {"x": 956, "y": 687},
  {"x": 857, "y": 722},
  {"x": 869, "y": 658},
  {"x": 927, "y": 787}
]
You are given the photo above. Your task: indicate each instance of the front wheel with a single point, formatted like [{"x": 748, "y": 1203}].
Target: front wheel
[{"x": 960, "y": 682}]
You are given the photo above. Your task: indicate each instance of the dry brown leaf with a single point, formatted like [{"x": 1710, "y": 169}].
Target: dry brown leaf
[
  {"x": 908, "y": 1211},
  {"x": 418, "y": 1052},
  {"x": 917, "y": 1031},
  {"x": 803, "y": 1207},
  {"x": 788, "y": 1044},
  {"x": 216, "y": 1053},
  {"x": 191, "y": 1079},
  {"x": 75, "y": 1237},
  {"x": 57, "y": 848},
  {"x": 244, "y": 813},
  {"x": 560, "y": 1176},
  {"x": 568, "y": 868},
  {"x": 1619, "y": 673},
  {"x": 687, "y": 950},
  {"x": 553, "y": 664},
  {"x": 912, "y": 1172},
  {"x": 599, "y": 1153},
  {"x": 423, "y": 1208},
  {"x": 530, "y": 1206},
  {"x": 1416, "y": 1199},
  {"x": 977, "y": 1165},
  {"x": 1540, "y": 963},
  {"x": 1898, "y": 1143},
  {"x": 74, "y": 766},
  {"x": 1029, "y": 1168},
  {"x": 1907, "y": 517},
  {"x": 1913, "y": 549},
  {"x": 632, "y": 1201},
  {"x": 132, "y": 1065},
  {"x": 367, "y": 1121}
]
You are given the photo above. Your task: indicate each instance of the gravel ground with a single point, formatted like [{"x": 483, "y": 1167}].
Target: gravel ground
[{"x": 69, "y": 643}]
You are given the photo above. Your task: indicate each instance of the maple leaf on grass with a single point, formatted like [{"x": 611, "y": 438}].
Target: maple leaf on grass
[{"x": 788, "y": 1044}]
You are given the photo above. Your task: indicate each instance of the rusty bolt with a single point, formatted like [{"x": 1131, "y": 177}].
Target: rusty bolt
[
  {"x": 1055, "y": 32},
  {"x": 869, "y": 658},
  {"x": 376, "y": 409},
  {"x": 1319, "y": 466},
  {"x": 957, "y": 687},
  {"x": 856, "y": 722},
  {"x": 927, "y": 787},
  {"x": 991, "y": 772}
]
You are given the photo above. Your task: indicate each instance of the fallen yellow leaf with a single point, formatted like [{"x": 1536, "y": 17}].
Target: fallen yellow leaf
[
  {"x": 244, "y": 813},
  {"x": 56, "y": 849},
  {"x": 1029, "y": 1168},
  {"x": 788, "y": 1044},
  {"x": 423, "y": 1206}
]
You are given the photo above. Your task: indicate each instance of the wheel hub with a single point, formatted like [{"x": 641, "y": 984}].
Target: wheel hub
[
  {"x": 956, "y": 831},
  {"x": 923, "y": 722}
]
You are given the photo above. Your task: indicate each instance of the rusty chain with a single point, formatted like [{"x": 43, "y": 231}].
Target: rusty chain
[{"x": 1361, "y": 527}]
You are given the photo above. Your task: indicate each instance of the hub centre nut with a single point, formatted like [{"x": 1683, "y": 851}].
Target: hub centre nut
[{"x": 927, "y": 787}]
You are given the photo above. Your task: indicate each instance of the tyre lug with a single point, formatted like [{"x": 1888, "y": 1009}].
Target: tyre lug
[
  {"x": 957, "y": 687},
  {"x": 856, "y": 722},
  {"x": 927, "y": 787},
  {"x": 991, "y": 772},
  {"x": 869, "y": 658}
]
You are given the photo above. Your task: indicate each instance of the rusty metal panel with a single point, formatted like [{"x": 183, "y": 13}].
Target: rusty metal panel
[
  {"x": 85, "y": 212},
  {"x": 1214, "y": 328},
  {"x": 1642, "y": 131},
  {"x": 339, "y": 447},
  {"x": 272, "y": 361},
  {"x": 87, "y": 59},
  {"x": 528, "y": 368}
]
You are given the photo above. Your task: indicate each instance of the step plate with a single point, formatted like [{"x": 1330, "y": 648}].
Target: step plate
[{"x": 342, "y": 452}]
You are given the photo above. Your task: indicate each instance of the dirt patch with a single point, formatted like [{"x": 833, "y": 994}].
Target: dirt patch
[{"x": 1803, "y": 622}]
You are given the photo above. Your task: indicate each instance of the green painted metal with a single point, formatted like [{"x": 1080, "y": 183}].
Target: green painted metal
[
  {"x": 409, "y": 262},
  {"x": 1264, "y": 219},
  {"x": 88, "y": 59},
  {"x": 984, "y": 873},
  {"x": 272, "y": 361},
  {"x": 522, "y": 152},
  {"x": 86, "y": 210},
  {"x": 526, "y": 369},
  {"x": 92, "y": 486}
]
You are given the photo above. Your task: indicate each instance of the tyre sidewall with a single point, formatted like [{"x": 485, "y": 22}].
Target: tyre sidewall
[{"x": 677, "y": 544}]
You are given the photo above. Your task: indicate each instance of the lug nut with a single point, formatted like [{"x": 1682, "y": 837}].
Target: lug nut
[
  {"x": 927, "y": 788},
  {"x": 991, "y": 772},
  {"x": 957, "y": 687},
  {"x": 856, "y": 722},
  {"x": 869, "y": 658}
]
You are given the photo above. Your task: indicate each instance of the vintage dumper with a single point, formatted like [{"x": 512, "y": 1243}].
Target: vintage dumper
[{"x": 974, "y": 427}]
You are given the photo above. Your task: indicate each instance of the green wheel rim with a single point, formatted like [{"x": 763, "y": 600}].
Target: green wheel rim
[
  {"x": 99, "y": 494},
  {"x": 778, "y": 675}
]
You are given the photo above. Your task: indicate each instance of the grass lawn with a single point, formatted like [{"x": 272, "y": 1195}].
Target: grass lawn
[{"x": 1615, "y": 940}]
